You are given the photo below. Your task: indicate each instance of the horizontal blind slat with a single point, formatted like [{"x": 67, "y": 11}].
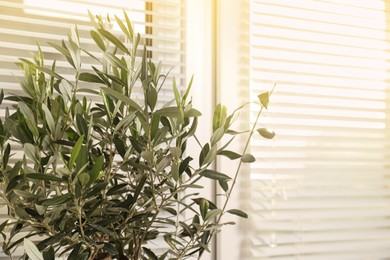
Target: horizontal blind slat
[{"x": 321, "y": 187}]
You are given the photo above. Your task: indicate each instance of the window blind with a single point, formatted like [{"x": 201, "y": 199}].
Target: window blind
[
  {"x": 24, "y": 23},
  {"x": 321, "y": 188}
]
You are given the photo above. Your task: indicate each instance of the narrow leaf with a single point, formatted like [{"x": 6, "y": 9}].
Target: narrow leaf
[
  {"x": 31, "y": 152},
  {"x": 171, "y": 112},
  {"x": 32, "y": 250},
  {"x": 214, "y": 175},
  {"x": 58, "y": 200},
  {"x": 122, "y": 26},
  {"x": 122, "y": 98},
  {"x": 192, "y": 113},
  {"x": 76, "y": 151},
  {"x": 238, "y": 212},
  {"x": 176, "y": 92},
  {"x": 104, "y": 230},
  {"x": 229, "y": 154},
  {"x": 204, "y": 207},
  {"x": 129, "y": 26},
  {"x": 49, "y": 119},
  {"x": 114, "y": 61},
  {"x": 99, "y": 41},
  {"x": 187, "y": 91},
  {"x": 109, "y": 36},
  {"x": 212, "y": 214},
  {"x": 50, "y": 72},
  {"x": 97, "y": 167},
  {"x": 43, "y": 177},
  {"x": 89, "y": 77}
]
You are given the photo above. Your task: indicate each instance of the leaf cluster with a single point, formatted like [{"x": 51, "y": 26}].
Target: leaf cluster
[{"x": 113, "y": 175}]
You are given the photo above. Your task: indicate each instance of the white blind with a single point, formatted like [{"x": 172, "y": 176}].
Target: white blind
[
  {"x": 23, "y": 23},
  {"x": 321, "y": 188}
]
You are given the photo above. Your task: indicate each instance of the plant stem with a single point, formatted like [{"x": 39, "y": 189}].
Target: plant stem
[
  {"x": 228, "y": 194},
  {"x": 80, "y": 222},
  {"x": 239, "y": 165}
]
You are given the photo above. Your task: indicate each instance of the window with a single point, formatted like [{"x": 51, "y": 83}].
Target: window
[
  {"x": 320, "y": 189},
  {"x": 24, "y": 23}
]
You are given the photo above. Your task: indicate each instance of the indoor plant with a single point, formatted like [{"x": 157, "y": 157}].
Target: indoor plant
[{"x": 111, "y": 176}]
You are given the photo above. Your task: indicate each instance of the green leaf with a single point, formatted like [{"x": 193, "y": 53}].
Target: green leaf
[
  {"x": 204, "y": 207},
  {"x": 114, "y": 61},
  {"x": 99, "y": 41},
  {"x": 122, "y": 26},
  {"x": 43, "y": 177},
  {"x": 87, "y": 90},
  {"x": 3, "y": 225},
  {"x": 238, "y": 212},
  {"x": 74, "y": 51},
  {"x": 74, "y": 255},
  {"x": 84, "y": 179},
  {"x": 214, "y": 175},
  {"x": 175, "y": 171},
  {"x": 210, "y": 157},
  {"x": 264, "y": 99},
  {"x": 23, "y": 193},
  {"x": 13, "y": 183},
  {"x": 149, "y": 253},
  {"x": 217, "y": 135},
  {"x": 92, "y": 20},
  {"x": 129, "y": 26},
  {"x": 205, "y": 150},
  {"x": 75, "y": 151},
  {"x": 104, "y": 230},
  {"x": 31, "y": 152},
  {"x": 89, "y": 77},
  {"x": 50, "y": 72},
  {"x": 248, "y": 158},
  {"x": 49, "y": 119},
  {"x": 224, "y": 185},
  {"x": 176, "y": 92},
  {"x": 26, "y": 111},
  {"x": 122, "y": 98},
  {"x": 65, "y": 90},
  {"x": 97, "y": 167},
  {"x": 219, "y": 117},
  {"x": 49, "y": 254},
  {"x": 1, "y": 96},
  {"x": 176, "y": 152},
  {"x": 152, "y": 97},
  {"x": 29, "y": 116},
  {"x": 229, "y": 154},
  {"x": 170, "y": 210},
  {"x": 184, "y": 100},
  {"x": 164, "y": 163},
  {"x": 109, "y": 36},
  {"x": 212, "y": 214},
  {"x": 117, "y": 189},
  {"x": 264, "y": 132},
  {"x": 58, "y": 200},
  {"x": 192, "y": 113},
  {"x": 232, "y": 132},
  {"x": 171, "y": 112},
  {"x": 64, "y": 51},
  {"x": 31, "y": 250},
  {"x": 6, "y": 155},
  {"x": 82, "y": 125}
]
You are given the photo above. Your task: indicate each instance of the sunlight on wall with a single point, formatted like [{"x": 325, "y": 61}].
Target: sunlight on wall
[
  {"x": 318, "y": 187},
  {"x": 322, "y": 61},
  {"x": 78, "y": 10}
]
